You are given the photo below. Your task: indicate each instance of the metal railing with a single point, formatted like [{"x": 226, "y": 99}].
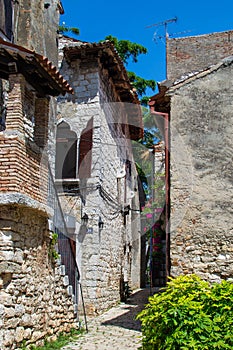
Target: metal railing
[{"x": 66, "y": 246}]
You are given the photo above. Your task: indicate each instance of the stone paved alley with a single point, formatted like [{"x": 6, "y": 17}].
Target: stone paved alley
[{"x": 115, "y": 329}]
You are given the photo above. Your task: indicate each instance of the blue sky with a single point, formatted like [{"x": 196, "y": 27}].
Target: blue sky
[{"x": 129, "y": 19}]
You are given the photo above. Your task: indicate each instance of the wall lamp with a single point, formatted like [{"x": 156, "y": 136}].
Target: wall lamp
[
  {"x": 100, "y": 223},
  {"x": 84, "y": 219}
]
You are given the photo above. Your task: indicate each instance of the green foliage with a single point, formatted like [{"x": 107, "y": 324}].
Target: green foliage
[
  {"x": 141, "y": 175},
  {"x": 62, "y": 340},
  {"x": 141, "y": 84},
  {"x": 52, "y": 251},
  {"x": 64, "y": 29},
  {"x": 145, "y": 100},
  {"x": 127, "y": 49},
  {"x": 189, "y": 314}
]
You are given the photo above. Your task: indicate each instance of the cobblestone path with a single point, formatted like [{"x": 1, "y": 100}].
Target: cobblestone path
[{"x": 116, "y": 329}]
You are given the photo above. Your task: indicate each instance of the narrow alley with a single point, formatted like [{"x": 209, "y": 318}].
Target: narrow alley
[{"x": 116, "y": 328}]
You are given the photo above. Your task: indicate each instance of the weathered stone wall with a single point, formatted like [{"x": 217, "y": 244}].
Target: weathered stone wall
[
  {"x": 195, "y": 53},
  {"x": 104, "y": 255},
  {"x": 201, "y": 176},
  {"x": 34, "y": 297},
  {"x": 36, "y": 27}
]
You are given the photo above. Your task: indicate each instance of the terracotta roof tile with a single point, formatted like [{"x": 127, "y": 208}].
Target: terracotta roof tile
[
  {"x": 111, "y": 60},
  {"x": 39, "y": 64},
  {"x": 120, "y": 79}
]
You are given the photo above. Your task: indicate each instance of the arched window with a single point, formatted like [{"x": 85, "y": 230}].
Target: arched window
[{"x": 66, "y": 152}]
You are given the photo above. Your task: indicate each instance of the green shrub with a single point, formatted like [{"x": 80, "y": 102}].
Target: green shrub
[{"x": 189, "y": 314}]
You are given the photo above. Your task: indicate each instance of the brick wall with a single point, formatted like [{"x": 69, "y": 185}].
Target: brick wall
[
  {"x": 196, "y": 53},
  {"x": 22, "y": 169},
  {"x": 23, "y": 162}
]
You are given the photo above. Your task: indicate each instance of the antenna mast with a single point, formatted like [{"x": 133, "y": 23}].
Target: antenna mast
[
  {"x": 160, "y": 24},
  {"x": 164, "y": 23}
]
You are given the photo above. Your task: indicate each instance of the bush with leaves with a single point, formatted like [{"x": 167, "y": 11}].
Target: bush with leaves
[{"x": 189, "y": 314}]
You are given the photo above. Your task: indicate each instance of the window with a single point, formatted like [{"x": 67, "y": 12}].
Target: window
[
  {"x": 6, "y": 19},
  {"x": 66, "y": 152}
]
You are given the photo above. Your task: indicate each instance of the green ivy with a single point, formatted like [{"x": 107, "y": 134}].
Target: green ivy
[
  {"x": 52, "y": 251},
  {"x": 64, "y": 29},
  {"x": 189, "y": 314}
]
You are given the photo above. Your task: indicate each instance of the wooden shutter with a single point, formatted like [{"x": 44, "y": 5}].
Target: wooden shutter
[{"x": 85, "y": 151}]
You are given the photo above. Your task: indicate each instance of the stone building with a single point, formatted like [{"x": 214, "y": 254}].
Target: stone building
[
  {"x": 32, "y": 24},
  {"x": 95, "y": 172},
  {"x": 36, "y": 300},
  {"x": 196, "y": 105}
]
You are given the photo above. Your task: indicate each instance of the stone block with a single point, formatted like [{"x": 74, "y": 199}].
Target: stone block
[
  {"x": 26, "y": 320},
  {"x": 70, "y": 290},
  {"x": 19, "y": 334},
  {"x": 62, "y": 270},
  {"x": 66, "y": 280},
  {"x": 8, "y": 337}
]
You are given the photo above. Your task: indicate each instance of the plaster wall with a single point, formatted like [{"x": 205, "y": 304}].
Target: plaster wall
[{"x": 201, "y": 176}]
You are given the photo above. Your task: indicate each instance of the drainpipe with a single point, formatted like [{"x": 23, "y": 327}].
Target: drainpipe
[{"x": 167, "y": 183}]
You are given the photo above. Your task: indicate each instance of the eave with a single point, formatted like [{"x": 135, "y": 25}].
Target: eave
[
  {"x": 160, "y": 102},
  {"x": 37, "y": 70},
  {"x": 111, "y": 61}
]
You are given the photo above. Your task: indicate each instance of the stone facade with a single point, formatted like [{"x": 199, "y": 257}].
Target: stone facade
[
  {"x": 110, "y": 255},
  {"x": 37, "y": 26},
  {"x": 35, "y": 300},
  {"x": 192, "y": 54},
  {"x": 201, "y": 177}
]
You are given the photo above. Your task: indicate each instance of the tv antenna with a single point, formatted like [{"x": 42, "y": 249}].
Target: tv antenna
[{"x": 161, "y": 24}]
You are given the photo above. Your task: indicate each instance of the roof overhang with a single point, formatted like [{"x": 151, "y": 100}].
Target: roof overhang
[
  {"x": 37, "y": 70},
  {"x": 60, "y": 7},
  {"x": 110, "y": 60},
  {"x": 160, "y": 102}
]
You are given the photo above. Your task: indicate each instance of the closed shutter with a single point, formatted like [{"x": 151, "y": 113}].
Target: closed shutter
[{"x": 85, "y": 151}]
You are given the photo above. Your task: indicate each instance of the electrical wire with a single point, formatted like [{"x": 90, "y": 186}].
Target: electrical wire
[{"x": 105, "y": 143}]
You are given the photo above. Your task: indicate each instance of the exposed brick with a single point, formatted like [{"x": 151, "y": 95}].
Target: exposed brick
[{"x": 195, "y": 53}]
